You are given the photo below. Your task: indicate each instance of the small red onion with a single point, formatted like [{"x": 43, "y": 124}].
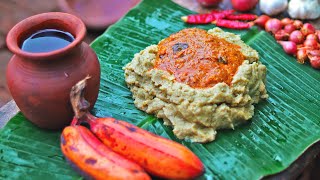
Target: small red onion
[
  {"x": 301, "y": 46},
  {"x": 289, "y": 47},
  {"x": 273, "y": 25},
  {"x": 281, "y": 35},
  {"x": 318, "y": 34},
  {"x": 314, "y": 52},
  {"x": 302, "y": 56},
  {"x": 261, "y": 20},
  {"x": 289, "y": 28},
  {"x": 298, "y": 24},
  {"x": 286, "y": 21},
  {"x": 315, "y": 62},
  {"x": 307, "y": 29},
  {"x": 311, "y": 43},
  {"x": 314, "y": 57},
  {"x": 312, "y": 37},
  {"x": 296, "y": 37}
]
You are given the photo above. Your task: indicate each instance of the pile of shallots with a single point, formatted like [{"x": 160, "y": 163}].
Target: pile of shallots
[{"x": 297, "y": 39}]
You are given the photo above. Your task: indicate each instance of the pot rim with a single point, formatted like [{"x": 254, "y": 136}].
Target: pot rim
[{"x": 51, "y": 20}]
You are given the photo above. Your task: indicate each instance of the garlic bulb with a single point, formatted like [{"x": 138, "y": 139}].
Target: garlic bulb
[
  {"x": 273, "y": 7},
  {"x": 304, "y": 9}
]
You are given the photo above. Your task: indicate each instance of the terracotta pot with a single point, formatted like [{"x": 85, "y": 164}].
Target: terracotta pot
[{"x": 40, "y": 83}]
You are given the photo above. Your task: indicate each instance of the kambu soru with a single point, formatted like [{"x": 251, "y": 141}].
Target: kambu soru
[{"x": 198, "y": 82}]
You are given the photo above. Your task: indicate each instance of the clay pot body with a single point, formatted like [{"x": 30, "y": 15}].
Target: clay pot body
[{"x": 40, "y": 83}]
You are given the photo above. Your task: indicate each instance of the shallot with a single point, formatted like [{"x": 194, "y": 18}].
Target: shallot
[
  {"x": 301, "y": 46},
  {"x": 273, "y": 25},
  {"x": 281, "y": 35},
  {"x": 289, "y": 47},
  {"x": 261, "y": 20},
  {"x": 314, "y": 52},
  {"x": 315, "y": 62},
  {"x": 307, "y": 29},
  {"x": 298, "y": 24},
  {"x": 286, "y": 21},
  {"x": 302, "y": 56},
  {"x": 313, "y": 44},
  {"x": 318, "y": 34},
  {"x": 289, "y": 28},
  {"x": 296, "y": 37},
  {"x": 312, "y": 37}
]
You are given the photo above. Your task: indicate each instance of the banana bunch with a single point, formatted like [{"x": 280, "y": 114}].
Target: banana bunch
[{"x": 115, "y": 149}]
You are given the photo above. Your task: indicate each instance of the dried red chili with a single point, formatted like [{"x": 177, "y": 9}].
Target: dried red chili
[
  {"x": 221, "y": 14},
  {"x": 243, "y": 17},
  {"x": 199, "y": 18},
  {"x": 232, "y": 24},
  {"x": 225, "y": 12},
  {"x": 207, "y": 18}
]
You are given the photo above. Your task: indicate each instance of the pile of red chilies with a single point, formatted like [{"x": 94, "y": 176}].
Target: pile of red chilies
[{"x": 222, "y": 18}]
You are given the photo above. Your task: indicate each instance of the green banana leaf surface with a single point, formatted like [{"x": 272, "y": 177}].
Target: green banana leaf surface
[{"x": 283, "y": 126}]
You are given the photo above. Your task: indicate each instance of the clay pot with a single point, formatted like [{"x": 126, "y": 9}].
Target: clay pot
[{"x": 40, "y": 83}]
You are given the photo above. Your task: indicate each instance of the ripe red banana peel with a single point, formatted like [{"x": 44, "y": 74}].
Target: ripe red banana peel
[
  {"x": 91, "y": 158},
  {"x": 158, "y": 156}
]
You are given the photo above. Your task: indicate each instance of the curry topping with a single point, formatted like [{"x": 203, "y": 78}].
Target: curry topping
[{"x": 198, "y": 59}]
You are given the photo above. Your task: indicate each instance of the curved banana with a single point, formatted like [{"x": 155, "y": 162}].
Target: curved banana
[
  {"x": 157, "y": 155},
  {"x": 93, "y": 159}
]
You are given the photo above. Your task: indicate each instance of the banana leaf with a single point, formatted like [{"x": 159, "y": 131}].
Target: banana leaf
[{"x": 283, "y": 126}]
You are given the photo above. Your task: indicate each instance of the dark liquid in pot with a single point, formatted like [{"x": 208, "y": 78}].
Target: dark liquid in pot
[{"x": 47, "y": 40}]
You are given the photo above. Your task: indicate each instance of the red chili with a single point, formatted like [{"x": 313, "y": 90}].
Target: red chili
[
  {"x": 199, "y": 18},
  {"x": 243, "y": 17},
  {"x": 225, "y": 12},
  {"x": 231, "y": 24},
  {"x": 221, "y": 14},
  {"x": 207, "y": 18}
]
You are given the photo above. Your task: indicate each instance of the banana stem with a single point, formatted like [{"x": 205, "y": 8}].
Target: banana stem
[{"x": 79, "y": 104}]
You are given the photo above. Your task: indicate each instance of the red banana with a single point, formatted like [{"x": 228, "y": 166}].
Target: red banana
[
  {"x": 93, "y": 159},
  {"x": 157, "y": 155}
]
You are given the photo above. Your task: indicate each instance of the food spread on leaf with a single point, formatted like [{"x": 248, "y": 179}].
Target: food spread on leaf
[{"x": 198, "y": 82}]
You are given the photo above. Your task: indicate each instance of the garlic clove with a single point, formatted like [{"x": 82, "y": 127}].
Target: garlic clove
[
  {"x": 273, "y": 7},
  {"x": 304, "y": 9}
]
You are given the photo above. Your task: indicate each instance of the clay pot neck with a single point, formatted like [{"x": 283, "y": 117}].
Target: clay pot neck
[{"x": 52, "y": 20}]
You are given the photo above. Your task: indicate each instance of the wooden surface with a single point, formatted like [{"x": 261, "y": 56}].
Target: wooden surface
[
  {"x": 13, "y": 11},
  {"x": 7, "y": 112}
]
